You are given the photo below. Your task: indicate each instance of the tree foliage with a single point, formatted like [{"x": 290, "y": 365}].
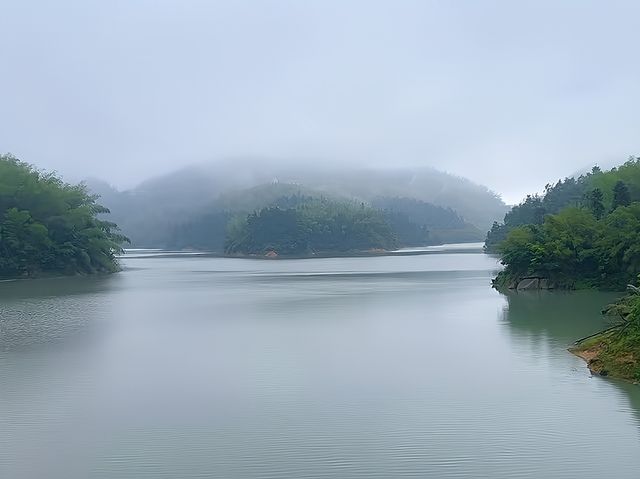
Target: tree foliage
[
  {"x": 621, "y": 195},
  {"x": 593, "y": 244},
  {"x": 311, "y": 226},
  {"x": 154, "y": 213},
  {"x": 593, "y": 200},
  {"x": 575, "y": 248},
  {"x": 414, "y": 222},
  {"x": 600, "y": 191},
  {"x": 48, "y": 226},
  {"x": 418, "y": 223}
]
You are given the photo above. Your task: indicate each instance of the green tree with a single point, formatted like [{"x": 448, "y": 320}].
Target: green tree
[
  {"x": 520, "y": 251},
  {"x": 594, "y": 201},
  {"x": 621, "y": 195},
  {"x": 48, "y": 226},
  {"x": 579, "y": 245},
  {"x": 312, "y": 226}
]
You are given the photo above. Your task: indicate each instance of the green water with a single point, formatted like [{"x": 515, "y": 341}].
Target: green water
[{"x": 412, "y": 366}]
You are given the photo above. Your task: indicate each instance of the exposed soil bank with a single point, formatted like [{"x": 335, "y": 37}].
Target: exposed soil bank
[{"x": 605, "y": 357}]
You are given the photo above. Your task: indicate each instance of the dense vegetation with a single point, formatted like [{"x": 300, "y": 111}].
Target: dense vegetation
[
  {"x": 616, "y": 351},
  {"x": 50, "y": 227},
  {"x": 196, "y": 199},
  {"x": 419, "y": 223},
  {"x": 582, "y": 232},
  {"x": 207, "y": 227},
  {"x": 532, "y": 211},
  {"x": 309, "y": 226},
  {"x": 414, "y": 222}
]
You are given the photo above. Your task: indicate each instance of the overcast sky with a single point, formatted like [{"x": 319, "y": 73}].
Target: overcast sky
[{"x": 510, "y": 94}]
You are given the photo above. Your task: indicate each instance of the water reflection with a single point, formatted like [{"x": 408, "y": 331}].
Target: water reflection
[
  {"x": 560, "y": 316},
  {"x": 549, "y": 322},
  {"x": 408, "y": 366},
  {"x": 51, "y": 310},
  {"x": 54, "y": 287}
]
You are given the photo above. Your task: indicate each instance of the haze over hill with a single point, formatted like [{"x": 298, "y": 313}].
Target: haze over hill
[
  {"x": 151, "y": 213},
  {"x": 509, "y": 94}
]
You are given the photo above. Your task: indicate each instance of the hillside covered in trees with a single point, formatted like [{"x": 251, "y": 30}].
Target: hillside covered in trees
[
  {"x": 189, "y": 208},
  {"x": 310, "y": 226},
  {"x": 583, "y": 232},
  {"x": 51, "y": 227},
  {"x": 411, "y": 222},
  {"x": 419, "y": 223}
]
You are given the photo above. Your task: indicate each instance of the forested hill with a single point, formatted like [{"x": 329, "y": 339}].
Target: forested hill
[
  {"x": 583, "y": 232},
  {"x": 150, "y": 213},
  {"x": 410, "y": 222},
  {"x": 621, "y": 184},
  {"x": 417, "y": 222},
  {"x": 50, "y": 227},
  {"x": 308, "y": 226}
]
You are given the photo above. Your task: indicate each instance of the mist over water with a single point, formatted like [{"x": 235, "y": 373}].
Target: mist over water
[{"x": 397, "y": 366}]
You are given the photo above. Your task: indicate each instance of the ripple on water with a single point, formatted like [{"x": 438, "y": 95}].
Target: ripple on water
[{"x": 366, "y": 367}]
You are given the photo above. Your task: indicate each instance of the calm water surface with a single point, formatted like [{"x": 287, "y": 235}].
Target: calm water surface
[{"x": 192, "y": 367}]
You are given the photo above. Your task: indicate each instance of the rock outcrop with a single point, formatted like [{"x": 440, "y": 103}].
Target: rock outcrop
[{"x": 532, "y": 283}]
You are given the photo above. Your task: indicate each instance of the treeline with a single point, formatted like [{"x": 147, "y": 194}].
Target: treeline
[
  {"x": 418, "y": 223},
  {"x": 601, "y": 191},
  {"x": 51, "y": 227},
  {"x": 412, "y": 222},
  {"x": 582, "y": 232},
  {"x": 310, "y": 226},
  {"x": 209, "y": 227},
  {"x": 152, "y": 213}
]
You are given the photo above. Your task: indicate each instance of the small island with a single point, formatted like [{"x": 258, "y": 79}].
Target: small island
[
  {"x": 49, "y": 227},
  {"x": 309, "y": 227},
  {"x": 312, "y": 225}
]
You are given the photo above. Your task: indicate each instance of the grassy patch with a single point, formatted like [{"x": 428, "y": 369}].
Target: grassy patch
[{"x": 613, "y": 353}]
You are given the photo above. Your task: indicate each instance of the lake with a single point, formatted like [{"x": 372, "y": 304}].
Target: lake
[{"x": 190, "y": 366}]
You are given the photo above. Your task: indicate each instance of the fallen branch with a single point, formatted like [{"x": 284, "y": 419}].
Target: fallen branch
[{"x": 598, "y": 333}]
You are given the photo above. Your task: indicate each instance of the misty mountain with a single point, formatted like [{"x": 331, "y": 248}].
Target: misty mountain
[
  {"x": 418, "y": 223},
  {"x": 151, "y": 212}
]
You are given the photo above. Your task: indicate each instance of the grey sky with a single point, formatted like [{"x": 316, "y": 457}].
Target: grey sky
[{"x": 511, "y": 94}]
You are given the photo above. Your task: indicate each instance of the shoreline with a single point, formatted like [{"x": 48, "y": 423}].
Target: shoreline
[
  {"x": 587, "y": 355},
  {"x": 446, "y": 248},
  {"x": 593, "y": 351}
]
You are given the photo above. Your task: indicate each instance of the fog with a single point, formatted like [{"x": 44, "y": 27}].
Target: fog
[{"x": 509, "y": 94}]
